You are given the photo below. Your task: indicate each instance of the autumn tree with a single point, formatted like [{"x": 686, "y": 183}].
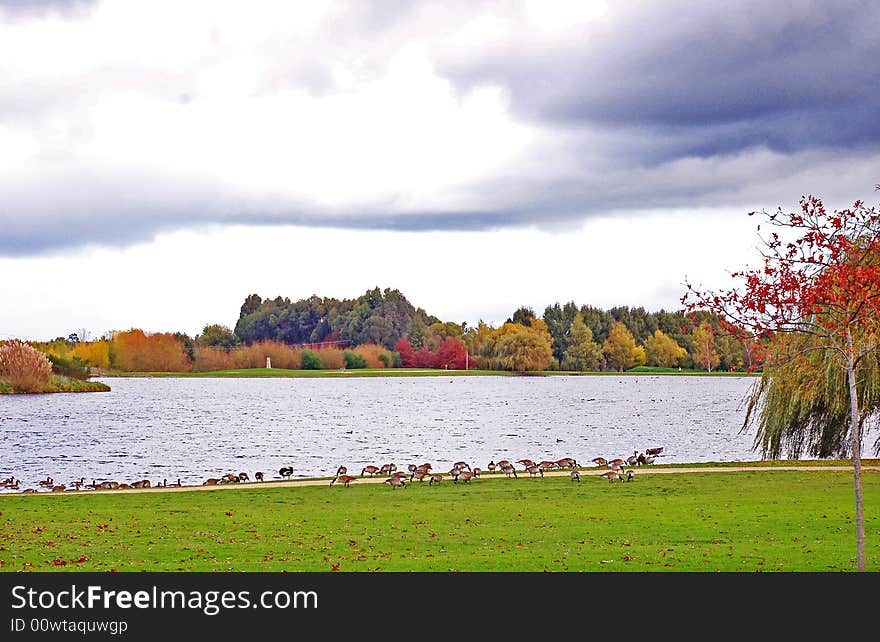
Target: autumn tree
[
  {"x": 216, "y": 335},
  {"x": 662, "y": 351},
  {"x": 704, "y": 355},
  {"x": 524, "y": 348},
  {"x": 816, "y": 292},
  {"x": 581, "y": 353},
  {"x": 619, "y": 348}
]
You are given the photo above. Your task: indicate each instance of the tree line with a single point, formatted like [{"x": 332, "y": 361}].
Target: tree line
[{"x": 382, "y": 329}]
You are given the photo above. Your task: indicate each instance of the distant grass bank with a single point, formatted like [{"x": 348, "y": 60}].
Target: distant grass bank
[
  {"x": 413, "y": 372},
  {"x": 59, "y": 383},
  {"x": 743, "y": 521}
]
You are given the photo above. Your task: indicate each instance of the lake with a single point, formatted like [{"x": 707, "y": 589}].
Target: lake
[{"x": 195, "y": 428}]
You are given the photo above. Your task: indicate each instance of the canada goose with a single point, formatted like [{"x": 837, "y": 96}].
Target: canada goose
[
  {"x": 525, "y": 462},
  {"x": 418, "y": 474},
  {"x": 395, "y": 482},
  {"x": 508, "y": 470},
  {"x": 616, "y": 463},
  {"x": 285, "y": 471},
  {"x": 243, "y": 477},
  {"x": 257, "y": 475},
  {"x": 477, "y": 472},
  {"x": 535, "y": 470},
  {"x": 654, "y": 451},
  {"x": 47, "y": 483},
  {"x": 124, "y": 486},
  {"x": 345, "y": 480},
  {"x": 461, "y": 465},
  {"x": 369, "y": 470},
  {"x": 547, "y": 464},
  {"x": 435, "y": 479},
  {"x": 633, "y": 459},
  {"x": 387, "y": 469},
  {"x": 342, "y": 470},
  {"x": 629, "y": 475},
  {"x": 141, "y": 483},
  {"x": 502, "y": 463},
  {"x": 649, "y": 459},
  {"x": 454, "y": 473},
  {"x": 566, "y": 462},
  {"x": 612, "y": 475},
  {"x": 58, "y": 488},
  {"x": 599, "y": 461},
  {"x": 491, "y": 466},
  {"x": 79, "y": 483},
  {"x": 229, "y": 478},
  {"x": 575, "y": 476},
  {"x": 465, "y": 476},
  {"x": 213, "y": 481}
]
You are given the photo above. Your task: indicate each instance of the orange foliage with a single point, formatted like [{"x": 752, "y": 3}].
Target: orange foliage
[
  {"x": 332, "y": 358},
  {"x": 370, "y": 352},
  {"x": 24, "y": 367},
  {"x": 136, "y": 351},
  {"x": 92, "y": 353},
  {"x": 254, "y": 355},
  {"x": 208, "y": 359}
]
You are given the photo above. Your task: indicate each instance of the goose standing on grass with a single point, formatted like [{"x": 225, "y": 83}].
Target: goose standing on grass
[
  {"x": 345, "y": 480},
  {"x": 509, "y": 470},
  {"x": 612, "y": 475},
  {"x": 633, "y": 459},
  {"x": 369, "y": 470},
  {"x": 575, "y": 476},
  {"x": 395, "y": 482}
]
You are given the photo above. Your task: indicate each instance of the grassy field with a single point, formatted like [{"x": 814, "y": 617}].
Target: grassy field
[{"x": 735, "y": 521}]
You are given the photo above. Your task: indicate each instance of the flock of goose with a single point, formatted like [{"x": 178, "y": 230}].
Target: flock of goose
[{"x": 460, "y": 471}]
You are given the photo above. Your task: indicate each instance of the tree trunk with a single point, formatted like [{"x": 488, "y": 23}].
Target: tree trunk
[{"x": 856, "y": 449}]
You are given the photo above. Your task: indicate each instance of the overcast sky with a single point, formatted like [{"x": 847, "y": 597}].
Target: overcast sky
[{"x": 159, "y": 161}]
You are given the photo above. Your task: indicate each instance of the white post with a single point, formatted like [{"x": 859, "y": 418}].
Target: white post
[{"x": 268, "y": 362}]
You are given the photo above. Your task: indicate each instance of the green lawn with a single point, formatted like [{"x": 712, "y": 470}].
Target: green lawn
[{"x": 736, "y": 521}]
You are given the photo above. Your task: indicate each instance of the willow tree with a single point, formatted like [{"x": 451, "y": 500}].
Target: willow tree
[{"x": 816, "y": 297}]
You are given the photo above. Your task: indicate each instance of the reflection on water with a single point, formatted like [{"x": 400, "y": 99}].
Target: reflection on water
[{"x": 197, "y": 428}]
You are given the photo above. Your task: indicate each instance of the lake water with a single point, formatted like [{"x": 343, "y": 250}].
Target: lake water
[{"x": 195, "y": 428}]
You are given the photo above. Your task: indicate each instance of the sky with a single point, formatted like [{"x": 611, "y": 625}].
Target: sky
[{"x": 160, "y": 161}]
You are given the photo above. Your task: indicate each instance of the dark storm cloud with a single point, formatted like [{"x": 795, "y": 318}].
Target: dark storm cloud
[
  {"x": 787, "y": 75},
  {"x": 672, "y": 105}
]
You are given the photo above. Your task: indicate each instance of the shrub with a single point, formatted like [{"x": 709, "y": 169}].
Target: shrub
[
  {"x": 353, "y": 361},
  {"x": 311, "y": 361},
  {"x": 331, "y": 358},
  {"x": 72, "y": 368},
  {"x": 24, "y": 367}
]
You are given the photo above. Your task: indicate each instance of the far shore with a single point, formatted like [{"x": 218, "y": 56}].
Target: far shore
[{"x": 420, "y": 372}]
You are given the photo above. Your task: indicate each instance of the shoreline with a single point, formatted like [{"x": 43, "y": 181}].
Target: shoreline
[{"x": 844, "y": 467}]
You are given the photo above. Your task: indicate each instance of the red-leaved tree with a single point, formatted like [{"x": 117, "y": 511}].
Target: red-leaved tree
[{"x": 819, "y": 280}]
